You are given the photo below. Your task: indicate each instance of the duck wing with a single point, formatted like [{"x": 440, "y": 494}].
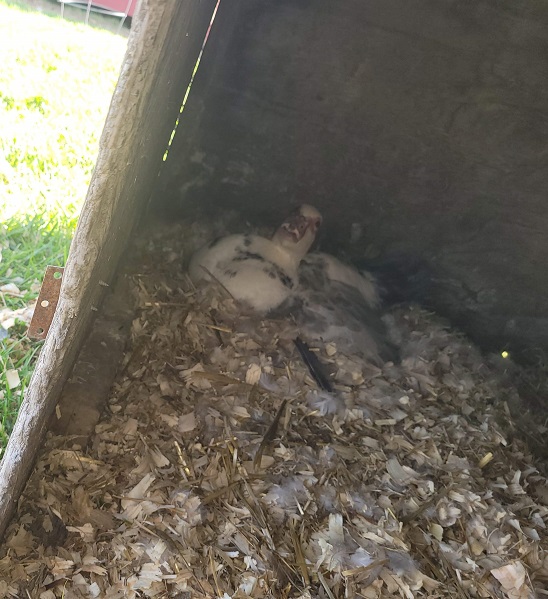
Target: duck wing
[{"x": 335, "y": 303}]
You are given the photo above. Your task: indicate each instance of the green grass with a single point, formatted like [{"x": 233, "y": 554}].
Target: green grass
[{"x": 56, "y": 82}]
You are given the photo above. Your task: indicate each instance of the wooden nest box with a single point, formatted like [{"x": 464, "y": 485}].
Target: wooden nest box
[{"x": 418, "y": 129}]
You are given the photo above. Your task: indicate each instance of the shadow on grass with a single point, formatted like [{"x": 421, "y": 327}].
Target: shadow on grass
[{"x": 28, "y": 244}]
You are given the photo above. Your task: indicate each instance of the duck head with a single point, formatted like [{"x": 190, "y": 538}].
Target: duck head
[{"x": 298, "y": 231}]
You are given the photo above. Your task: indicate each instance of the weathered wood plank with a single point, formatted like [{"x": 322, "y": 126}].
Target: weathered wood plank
[
  {"x": 164, "y": 44},
  {"x": 84, "y": 394}
]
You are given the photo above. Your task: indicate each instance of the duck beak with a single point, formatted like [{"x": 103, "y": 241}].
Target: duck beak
[
  {"x": 292, "y": 231},
  {"x": 296, "y": 226}
]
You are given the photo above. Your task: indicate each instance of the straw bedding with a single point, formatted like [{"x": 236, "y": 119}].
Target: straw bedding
[{"x": 219, "y": 469}]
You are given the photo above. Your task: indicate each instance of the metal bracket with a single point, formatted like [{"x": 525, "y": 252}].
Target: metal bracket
[{"x": 47, "y": 303}]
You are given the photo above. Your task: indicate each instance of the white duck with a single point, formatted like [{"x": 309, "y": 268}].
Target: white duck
[
  {"x": 327, "y": 299},
  {"x": 261, "y": 273}
]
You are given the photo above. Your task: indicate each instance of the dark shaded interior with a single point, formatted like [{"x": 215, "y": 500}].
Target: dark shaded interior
[{"x": 417, "y": 127}]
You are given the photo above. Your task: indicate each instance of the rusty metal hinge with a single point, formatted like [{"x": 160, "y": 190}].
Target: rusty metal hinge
[{"x": 47, "y": 303}]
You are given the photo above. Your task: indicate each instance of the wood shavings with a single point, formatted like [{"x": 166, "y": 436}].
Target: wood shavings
[
  {"x": 512, "y": 579},
  {"x": 219, "y": 469}
]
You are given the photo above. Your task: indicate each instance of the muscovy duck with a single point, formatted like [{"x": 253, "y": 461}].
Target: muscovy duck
[
  {"x": 261, "y": 273},
  {"x": 327, "y": 299}
]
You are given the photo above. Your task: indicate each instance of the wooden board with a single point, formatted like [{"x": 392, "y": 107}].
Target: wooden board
[
  {"x": 421, "y": 122},
  {"x": 163, "y": 47}
]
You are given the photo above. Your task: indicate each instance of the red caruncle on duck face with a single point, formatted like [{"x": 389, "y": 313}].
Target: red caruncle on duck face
[{"x": 296, "y": 225}]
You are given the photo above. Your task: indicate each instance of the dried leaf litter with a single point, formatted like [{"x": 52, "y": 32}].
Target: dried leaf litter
[{"x": 219, "y": 469}]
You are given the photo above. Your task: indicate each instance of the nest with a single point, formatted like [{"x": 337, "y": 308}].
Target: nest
[{"x": 219, "y": 469}]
